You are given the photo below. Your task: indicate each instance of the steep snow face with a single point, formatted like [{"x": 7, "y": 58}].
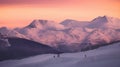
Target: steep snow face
[
  {"x": 113, "y": 23},
  {"x": 73, "y": 23},
  {"x": 77, "y": 34},
  {"x": 105, "y": 22},
  {"x": 102, "y": 36}
]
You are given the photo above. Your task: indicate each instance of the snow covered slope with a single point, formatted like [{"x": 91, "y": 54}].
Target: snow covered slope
[
  {"x": 107, "y": 56},
  {"x": 102, "y": 36}
]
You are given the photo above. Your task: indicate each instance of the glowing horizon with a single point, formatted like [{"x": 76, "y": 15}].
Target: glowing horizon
[{"x": 21, "y": 12}]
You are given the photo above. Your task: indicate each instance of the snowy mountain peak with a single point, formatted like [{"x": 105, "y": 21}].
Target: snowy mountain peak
[
  {"x": 102, "y": 19},
  {"x": 105, "y": 22},
  {"x": 34, "y": 24},
  {"x": 38, "y": 23}
]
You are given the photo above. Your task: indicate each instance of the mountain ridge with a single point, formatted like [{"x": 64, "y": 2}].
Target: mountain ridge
[{"x": 71, "y": 33}]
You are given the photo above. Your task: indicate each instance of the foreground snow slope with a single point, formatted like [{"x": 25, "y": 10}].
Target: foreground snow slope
[{"x": 107, "y": 56}]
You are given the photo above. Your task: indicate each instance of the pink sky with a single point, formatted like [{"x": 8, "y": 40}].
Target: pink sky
[{"x": 17, "y": 13}]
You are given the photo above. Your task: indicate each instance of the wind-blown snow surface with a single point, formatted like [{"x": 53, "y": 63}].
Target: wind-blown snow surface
[{"x": 107, "y": 56}]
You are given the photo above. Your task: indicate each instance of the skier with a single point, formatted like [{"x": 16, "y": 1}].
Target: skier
[
  {"x": 85, "y": 56},
  {"x": 54, "y": 56},
  {"x": 58, "y": 55}
]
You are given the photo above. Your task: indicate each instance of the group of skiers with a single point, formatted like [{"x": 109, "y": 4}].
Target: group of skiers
[{"x": 58, "y": 55}]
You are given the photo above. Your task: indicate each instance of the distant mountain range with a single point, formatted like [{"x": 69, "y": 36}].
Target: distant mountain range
[{"x": 69, "y": 35}]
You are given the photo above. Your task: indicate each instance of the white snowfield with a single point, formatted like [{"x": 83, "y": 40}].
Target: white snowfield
[{"x": 107, "y": 56}]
